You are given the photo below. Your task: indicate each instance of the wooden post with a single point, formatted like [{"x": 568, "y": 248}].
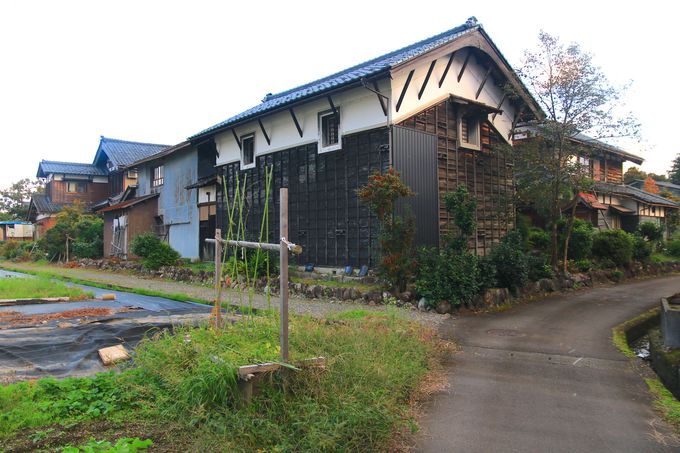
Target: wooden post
[
  {"x": 218, "y": 277},
  {"x": 283, "y": 272}
]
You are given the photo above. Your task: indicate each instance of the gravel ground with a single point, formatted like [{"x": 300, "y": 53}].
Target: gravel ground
[{"x": 301, "y": 306}]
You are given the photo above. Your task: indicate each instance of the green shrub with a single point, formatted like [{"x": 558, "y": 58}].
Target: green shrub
[
  {"x": 584, "y": 265},
  {"x": 10, "y": 249},
  {"x": 580, "y": 241},
  {"x": 86, "y": 232},
  {"x": 673, "y": 247},
  {"x": 510, "y": 261},
  {"x": 651, "y": 231},
  {"x": 539, "y": 239},
  {"x": 539, "y": 268},
  {"x": 154, "y": 252},
  {"x": 614, "y": 245},
  {"x": 447, "y": 275},
  {"x": 642, "y": 249}
]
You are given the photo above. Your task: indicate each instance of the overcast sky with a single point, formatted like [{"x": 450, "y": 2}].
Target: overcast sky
[{"x": 162, "y": 71}]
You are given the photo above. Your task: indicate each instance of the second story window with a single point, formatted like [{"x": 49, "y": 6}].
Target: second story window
[
  {"x": 248, "y": 151},
  {"x": 329, "y": 131},
  {"x": 468, "y": 131},
  {"x": 76, "y": 187},
  {"x": 157, "y": 176}
]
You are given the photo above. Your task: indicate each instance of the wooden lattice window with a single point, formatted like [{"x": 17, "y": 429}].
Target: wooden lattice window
[{"x": 329, "y": 131}]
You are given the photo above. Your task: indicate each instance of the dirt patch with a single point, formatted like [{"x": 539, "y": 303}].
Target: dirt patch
[{"x": 16, "y": 319}]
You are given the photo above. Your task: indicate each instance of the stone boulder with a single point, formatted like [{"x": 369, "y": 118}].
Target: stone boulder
[{"x": 443, "y": 307}]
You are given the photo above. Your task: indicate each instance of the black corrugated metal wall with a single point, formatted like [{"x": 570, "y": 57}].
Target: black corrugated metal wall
[
  {"x": 415, "y": 158},
  {"x": 326, "y": 216}
]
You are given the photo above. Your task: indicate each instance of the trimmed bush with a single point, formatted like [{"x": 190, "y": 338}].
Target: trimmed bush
[
  {"x": 10, "y": 249},
  {"x": 539, "y": 239},
  {"x": 539, "y": 268},
  {"x": 673, "y": 247},
  {"x": 584, "y": 265},
  {"x": 651, "y": 231},
  {"x": 154, "y": 252},
  {"x": 642, "y": 249},
  {"x": 447, "y": 275},
  {"x": 581, "y": 240},
  {"x": 613, "y": 245},
  {"x": 510, "y": 261}
]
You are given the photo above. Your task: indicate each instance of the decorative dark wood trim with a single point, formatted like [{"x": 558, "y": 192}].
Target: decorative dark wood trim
[
  {"x": 465, "y": 63},
  {"x": 333, "y": 108},
  {"x": 481, "y": 85},
  {"x": 446, "y": 69},
  {"x": 427, "y": 79},
  {"x": 381, "y": 98},
  {"x": 295, "y": 120},
  {"x": 264, "y": 132},
  {"x": 403, "y": 90},
  {"x": 238, "y": 141},
  {"x": 505, "y": 95}
]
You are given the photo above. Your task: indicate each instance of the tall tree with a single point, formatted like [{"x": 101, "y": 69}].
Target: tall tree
[
  {"x": 674, "y": 172},
  {"x": 577, "y": 98},
  {"x": 634, "y": 174},
  {"x": 14, "y": 199}
]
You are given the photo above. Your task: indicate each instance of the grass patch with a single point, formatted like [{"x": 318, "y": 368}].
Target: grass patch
[
  {"x": 35, "y": 288},
  {"x": 658, "y": 257},
  {"x": 619, "y": 337},
  {"x": 375, "y": 363},
  {"x": 665, "y": 402}
]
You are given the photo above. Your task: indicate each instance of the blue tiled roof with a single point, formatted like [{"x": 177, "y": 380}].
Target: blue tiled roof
[
  {"x": 47, "y": 167},
  {"x": 122, "y": 153},
  {"x": 14, "y": 222},
  {"x": 349, "y": 76},
  {"x": 43, "y": 204}
]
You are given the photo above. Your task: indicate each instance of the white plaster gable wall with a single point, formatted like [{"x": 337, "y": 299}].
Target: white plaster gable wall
[
  {"x": 203, "y": 194},
  {"x": 359, "y": 110},
  {"x": 473, "y": 75}
]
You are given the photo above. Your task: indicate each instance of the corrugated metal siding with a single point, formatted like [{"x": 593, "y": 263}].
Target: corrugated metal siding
[{"x": 415, "y": 157}]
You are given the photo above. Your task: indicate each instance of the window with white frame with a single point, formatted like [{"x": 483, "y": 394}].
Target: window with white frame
[
  {"x": 157, "y": 176},
  {"x": 329, "y": 131},
  {"x": 248, "y": 151},
  {"x": 468, "y": 131}
]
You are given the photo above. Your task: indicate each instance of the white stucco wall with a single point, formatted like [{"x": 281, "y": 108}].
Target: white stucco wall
[{"x": 359, "y": 110}]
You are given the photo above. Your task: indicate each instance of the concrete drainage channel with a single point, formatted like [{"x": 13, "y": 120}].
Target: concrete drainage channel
[{"x": 62, "y": 338}]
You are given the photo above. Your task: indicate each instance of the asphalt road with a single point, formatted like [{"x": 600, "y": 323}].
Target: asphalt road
[{"x": 545, "y": 377}]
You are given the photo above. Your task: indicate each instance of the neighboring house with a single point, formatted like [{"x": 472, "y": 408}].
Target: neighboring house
[
  {"x": 16, "y": 230},
  {"x": 66, "y": 183},
  {"x": 674, "y": 189},
  {"x": 611, "y": 204},
  {"x": 95, "y": 186},
  {"x": 433, "y": 110},
  {"x": 161, "y": 203}
]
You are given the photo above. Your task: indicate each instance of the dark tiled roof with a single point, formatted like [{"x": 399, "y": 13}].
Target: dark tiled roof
[
  {"x": 47, "y": 167},
  {"x": 641, "y": 182},
  {"x": 583, "y": 138},
  {"x": 43, "y": 204},
  {"x": 634, "y": 193},
  {"x": 350, "y": 75},
  {"x": 123, "y": 153},
  {"x": 128, "y": 203}
]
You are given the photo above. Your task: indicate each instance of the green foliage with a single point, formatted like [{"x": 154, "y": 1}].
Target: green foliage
[
  {"x": 673, "y": 248},
  {"x": 257, "y": 263},
  {"x": 510, "y": 261},
  {"x": 523, "y": 226},
  {"x": 642, "y": 249},
  {"x": 583, "y": 265},
  {"x": 580, "y": 241},
  {"x": 122, "y": 445},
  {"x": 10, "y": 249},
  {"x": 449, "y": 275},
  {"x": 28, "y": 288},
  {"x": 396, "y": 234},
  {"x": 539, "y": 268},
  {"x": 614, "y": 245},
  {"x": 86, "y": 233},
  {"x": 14, "y": 199},
  {"x": 538, "y": 239},
  {"x": 463, "y": 209},
  {"x": 674, "y": 172},
  {"x": 665, "y": 402},
  {"x": 650, "y": 231},
  {"x": 154, "y": 252}
]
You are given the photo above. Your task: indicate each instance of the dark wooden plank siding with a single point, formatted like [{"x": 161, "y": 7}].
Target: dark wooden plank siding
[
  {"x": 94, "y": 192},
  {"x": 326, "y": 216},
  {"x": 488, "y": 174}
]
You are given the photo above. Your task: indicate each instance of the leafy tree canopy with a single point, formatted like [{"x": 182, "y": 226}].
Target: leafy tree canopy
[{"x": 15, "y": 198}]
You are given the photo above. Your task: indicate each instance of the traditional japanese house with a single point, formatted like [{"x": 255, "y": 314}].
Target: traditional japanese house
[
  {"x": 611, "y": 204},
  {"x": 160, "y": 204},
  {"x": 433, "y": 110},
  {"x": 66, "y": 183}
]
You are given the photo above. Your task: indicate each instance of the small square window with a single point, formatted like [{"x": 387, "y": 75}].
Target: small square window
[
  {"x": 76, "y": 187},
  {"x": 329, "y": 131},
  {"x": 468, "y": 131},
  {"x": 248, "y": 151}
]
